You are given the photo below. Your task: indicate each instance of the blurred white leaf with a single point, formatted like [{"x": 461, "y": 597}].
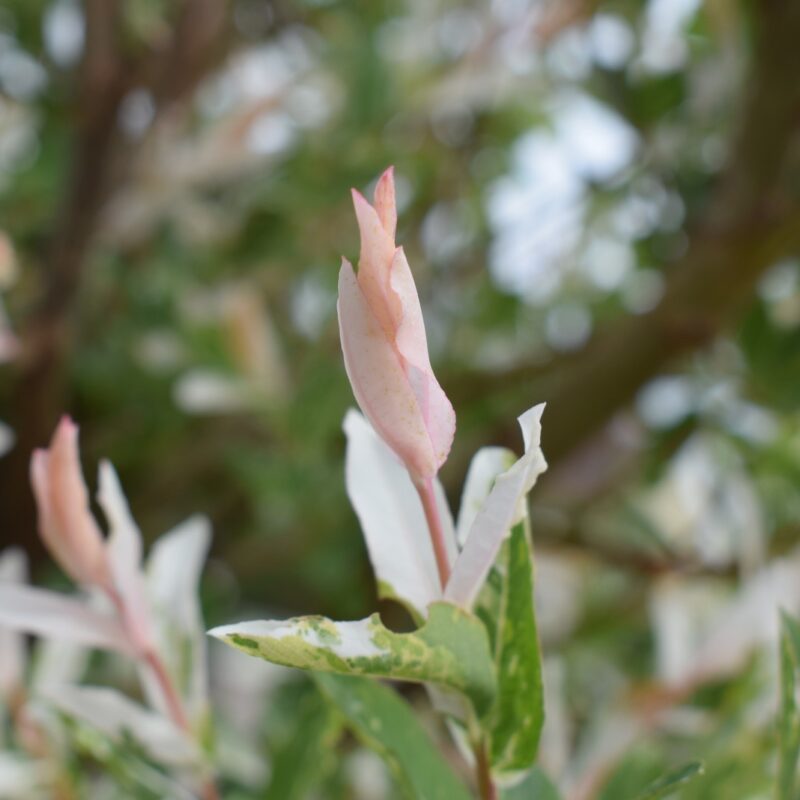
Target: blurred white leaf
[
  {"x": 124, "y": 548},
  {"x": 49, "y": 614},
  {"x": 699, "y": 640},
  {"x": 22, "y": 778},
  {"x": 174, "y": 568},
  {"x": 116, "y": 716},
  {"x": 56, "y": 663},
  {"x": 201, "y": 391},
  {"x": 13, "y": 570},
  {"x": 706, "y": 505}
]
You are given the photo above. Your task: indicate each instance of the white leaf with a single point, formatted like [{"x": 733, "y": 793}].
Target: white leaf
[
  {"x": 115, "y": 715},
  {"x": 49, "y": 614},
  {"x": 13, "y": 570},
  {"x": 21, "y": 778},
  {"x": 391, "y": 517},
  {"x": 485, "y": 466},
  {"x": 124, "y": 549},
  {"x": 503, "y": 508},
  {"x": 173, "y": 572},
  {"x": 57, "y": 662},
  {"x": 702, "y": 635}
]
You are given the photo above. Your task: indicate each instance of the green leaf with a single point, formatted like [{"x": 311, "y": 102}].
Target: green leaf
[
  {"x": 518, "y": 713},
  {"x": 385, "y": 723},
  {"x": 451, "y": 649},
  {"x": 789, "y": 725},
  {"x": 536, "y": 786},
  {"x": 303, "y": 758},
  {"x": 669, "y": 783}
]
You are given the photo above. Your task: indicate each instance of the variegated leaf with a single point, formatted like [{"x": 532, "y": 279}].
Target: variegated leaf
[{"x": 450, "y": 650}]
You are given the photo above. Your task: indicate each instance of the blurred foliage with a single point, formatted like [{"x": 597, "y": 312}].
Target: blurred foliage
[{"x": 554, "y": 161}]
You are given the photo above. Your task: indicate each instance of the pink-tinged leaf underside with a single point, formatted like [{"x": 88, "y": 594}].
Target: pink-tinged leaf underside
[
  {"x": 374, "y": 263},
  {"x": 412, "y": 344},
  {"x": 385, "y": 204},
  {"x": 379, "y": 381},
  {"x": 389, "y": 289},
  {"x": 67, "y": 526}
]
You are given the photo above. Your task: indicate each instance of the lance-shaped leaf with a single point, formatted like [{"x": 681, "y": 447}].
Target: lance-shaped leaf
[
  {"x": 384, "y": 343},
  {"x": 502, "y": 509},
  {"x": 668, "y": 784},
  {"x": 486, "y": 465},
  {"x": 450, "y": 650},
  {"x": 518, "y": 714},
  {"x": 49, "y": 614},
  {"x": 124, "y": 553},
  {"x": 174, "y": 569},
  {"x": 392, "y": 519},
  {"x": 118, "y": 717},
  {"x": 14, "y": 571},
  {"x": 385, "y": 723}
]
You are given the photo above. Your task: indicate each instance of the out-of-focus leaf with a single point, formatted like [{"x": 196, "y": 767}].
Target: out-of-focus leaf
[
  {"x": 385, "y": 723},
  {"x": 53, "y": 615},
  {"x": 669, "y": 783},
  {"x": 304, "y": 757},
  {"x": 518, "y": 714},
  {"x": 789, "y": 726},
  {"x": 536, "y": 786},
  {"x": 22, "y": 778},
  {"x": 125, "y": 555},
  {"x": 117, "y": 717},
  {"x": 174, "y": 568},
  {"x": 125, "y": 762},
  {"x": 13, "y": 570},
  {"x": 450, "y": 650}
]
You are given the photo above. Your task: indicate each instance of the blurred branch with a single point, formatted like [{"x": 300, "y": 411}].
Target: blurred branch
[
  {"x": 197, "y": 44},
  {"x": 752, "y": 220},
  {"x": 99, "y": 167},
  {"x": 558, "y": 16}
]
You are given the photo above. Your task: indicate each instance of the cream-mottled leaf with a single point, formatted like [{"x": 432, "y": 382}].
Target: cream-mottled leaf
[{"x": 451, "y": 650}]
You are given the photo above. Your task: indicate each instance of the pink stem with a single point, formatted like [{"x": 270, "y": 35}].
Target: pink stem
[
  {"x": 168, "y": 690},
  {"x": 428, "y": 496},
  {"x": 159, "y": 669},
  {"x": 173, "y": 701}
]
